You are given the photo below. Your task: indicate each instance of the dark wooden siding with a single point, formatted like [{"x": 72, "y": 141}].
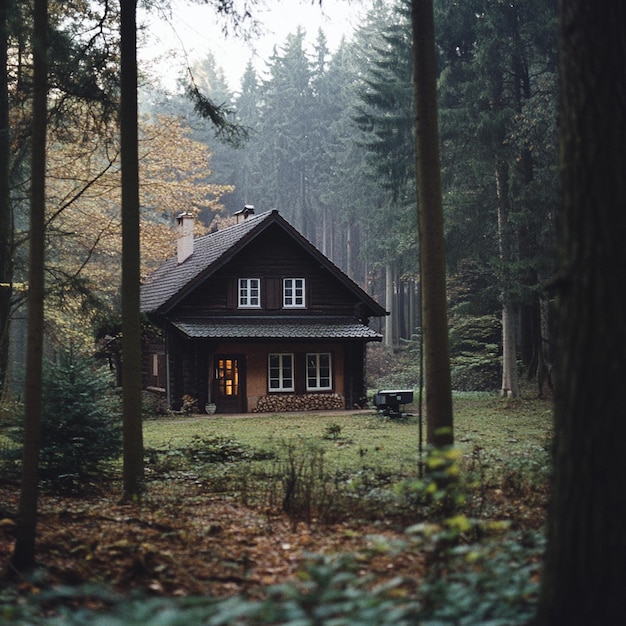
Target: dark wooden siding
[{"x": 271, "y": 257}]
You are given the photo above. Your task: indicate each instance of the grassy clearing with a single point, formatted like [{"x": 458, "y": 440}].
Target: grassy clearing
[
  {"x": 502, "y": 429},
  {"x": 348, "y": 465}
]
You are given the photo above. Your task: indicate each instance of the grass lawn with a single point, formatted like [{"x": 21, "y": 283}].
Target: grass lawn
[{"x": 503, "y": 430}]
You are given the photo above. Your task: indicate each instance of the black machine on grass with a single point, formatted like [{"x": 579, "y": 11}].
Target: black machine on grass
[{"x": 389, "y": 402}]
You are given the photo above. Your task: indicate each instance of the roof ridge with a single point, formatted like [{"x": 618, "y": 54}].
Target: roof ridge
[{"x": 248, "y": 220}]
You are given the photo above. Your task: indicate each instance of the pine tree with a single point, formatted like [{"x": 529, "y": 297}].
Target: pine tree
[
  {"x": 497, "y": 101},
  {"x": 80, "y": 426},
  {"x": 284, "y": 140}
]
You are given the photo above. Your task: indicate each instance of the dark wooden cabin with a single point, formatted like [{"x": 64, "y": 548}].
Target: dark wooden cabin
[{"x": 256, "y": 318}]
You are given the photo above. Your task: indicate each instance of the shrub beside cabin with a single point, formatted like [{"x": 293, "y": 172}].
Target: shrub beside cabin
[{"x": 256, "y": 318}]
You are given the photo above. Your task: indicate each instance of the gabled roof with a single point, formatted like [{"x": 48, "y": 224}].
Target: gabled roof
[{"x": 172, "y": 281}]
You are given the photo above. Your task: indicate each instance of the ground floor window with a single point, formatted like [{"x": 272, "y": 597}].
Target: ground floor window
[
  {"x": 281, "y": 372},
  {"x": 318, "y": 371}
]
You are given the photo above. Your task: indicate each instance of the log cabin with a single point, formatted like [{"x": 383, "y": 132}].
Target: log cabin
[{"x": 254, "y": 318}]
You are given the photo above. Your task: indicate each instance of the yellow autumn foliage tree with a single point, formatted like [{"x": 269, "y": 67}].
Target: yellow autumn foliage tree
[{"x": 84, "y": 221}]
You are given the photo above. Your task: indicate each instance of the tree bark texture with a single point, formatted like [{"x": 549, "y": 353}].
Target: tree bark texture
[
  {"x": 439, "y": 425},
  {"x": 23, "y": 557},
  {"x": 510, "y": 382},
  {"x": 6, "y": 213},
  {"x": 133, "y": 470},
  {"x": 585, "y": 565},
  {"x": 389, "y": 325}
]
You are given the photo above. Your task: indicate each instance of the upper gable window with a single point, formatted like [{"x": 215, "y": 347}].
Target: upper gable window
[
  {"x": 249, "y": 293},
  {"x": 294, "y": 293}
]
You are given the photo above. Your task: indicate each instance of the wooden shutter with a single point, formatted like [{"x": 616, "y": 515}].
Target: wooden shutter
[
  {"x": 273, "y": 293},
  {"x": 231, "y": 294}
]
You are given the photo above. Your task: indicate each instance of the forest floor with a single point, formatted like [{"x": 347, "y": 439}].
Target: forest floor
[
  {"x": 184, "y": 541},
  {"x": 185, "y": 538}
]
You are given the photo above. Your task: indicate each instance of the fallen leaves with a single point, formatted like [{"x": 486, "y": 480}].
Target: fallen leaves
[{"x": 189, "y": 543}]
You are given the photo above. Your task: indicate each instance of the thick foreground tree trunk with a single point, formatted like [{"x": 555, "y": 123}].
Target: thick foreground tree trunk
[
  {"x": 439, "y": 426},
  {"x": 133, "y": 470},
  {"x": 6, "y": 213},
  {"x": 585, "y": 568},
  {"x": 23, "y": 558}
]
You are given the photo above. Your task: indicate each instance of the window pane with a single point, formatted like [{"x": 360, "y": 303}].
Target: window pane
[
  {"x": 249, "y": 292},
  {"x": 293, "y": 292},
  {"x": 318, "y": 371},
  {"x": 280, "y": 372},
  {"x": 254, "y": 292}
]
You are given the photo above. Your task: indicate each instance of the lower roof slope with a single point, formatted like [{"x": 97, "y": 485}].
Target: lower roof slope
[{"x": 319, "y": 328}]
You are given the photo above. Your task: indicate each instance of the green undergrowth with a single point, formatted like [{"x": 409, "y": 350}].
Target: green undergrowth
[
  {"x": 331, "y": 466},
  {"x": 493, "y": 582},
  {"x": 472, "y": 512}
]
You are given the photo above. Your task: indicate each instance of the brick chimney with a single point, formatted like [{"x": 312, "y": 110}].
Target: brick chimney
[{"x": 184, "y": 225}]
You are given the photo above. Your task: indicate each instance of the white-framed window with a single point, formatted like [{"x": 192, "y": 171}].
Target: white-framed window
[
  {"x": 294, "y": 293},
  {"x": 280, "y": 372},
  {"x": 318, "y": 371},
  {"x": 249, "y": 293}
]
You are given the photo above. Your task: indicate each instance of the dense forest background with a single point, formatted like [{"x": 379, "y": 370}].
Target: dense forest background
[{"x": 328, "y": 140}]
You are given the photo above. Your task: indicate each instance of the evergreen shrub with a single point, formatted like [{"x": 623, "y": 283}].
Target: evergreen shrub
[
  {"x": 81, "y": 422},
  {"x": 475, "y": 361}
]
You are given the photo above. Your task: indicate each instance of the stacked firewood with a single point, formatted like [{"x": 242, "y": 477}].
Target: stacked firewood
[{"x": 305, "y": 402}]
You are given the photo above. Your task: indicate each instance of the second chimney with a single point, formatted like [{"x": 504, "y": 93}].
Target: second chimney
[
  {"x": 242, "y": 214},
  {"x": 184, "y": 224}
]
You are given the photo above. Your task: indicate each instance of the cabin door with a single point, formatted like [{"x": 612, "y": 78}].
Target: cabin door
[{"x": 229, "y": 383}]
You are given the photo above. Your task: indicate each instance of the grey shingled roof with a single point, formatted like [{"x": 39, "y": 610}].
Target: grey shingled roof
[
  {"x": 171, "y": 281},
  {"x": 171, "y": 277},
  {"x": 276, "y": 328}
]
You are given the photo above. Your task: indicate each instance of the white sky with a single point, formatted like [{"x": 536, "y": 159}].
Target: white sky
[{"x": 192, "y": 30}]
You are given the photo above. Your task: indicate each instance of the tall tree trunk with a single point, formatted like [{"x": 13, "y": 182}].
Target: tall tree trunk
[
  {"x": 348, "y": 262},
  {"x": 23, "y": 557},
  {"x": 389, "y": 305},
  {"x": 585, "y": 565},
  {"x": 510, "y": 379},
  {"x": 439, "y": 423},
  {"x": 133, "y": 470},
  {"x": 6, "y": 213}
]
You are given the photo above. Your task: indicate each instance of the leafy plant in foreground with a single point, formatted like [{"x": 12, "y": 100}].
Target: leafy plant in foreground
[
  {"x": 492, "y": 583},
  {"x": 441, "y": 491}
]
